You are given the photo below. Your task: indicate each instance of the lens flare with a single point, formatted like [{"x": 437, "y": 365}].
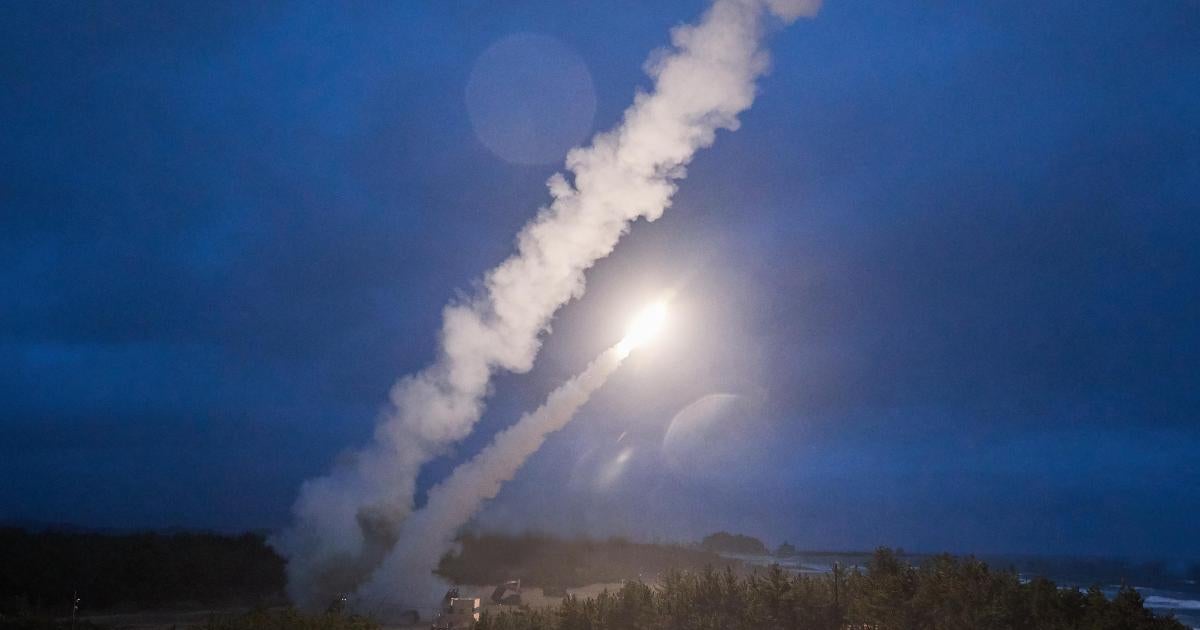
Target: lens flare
[{"x": 644, "y": 327}]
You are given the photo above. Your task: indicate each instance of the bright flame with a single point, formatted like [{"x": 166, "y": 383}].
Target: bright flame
[{"x": 644, "y": 327}]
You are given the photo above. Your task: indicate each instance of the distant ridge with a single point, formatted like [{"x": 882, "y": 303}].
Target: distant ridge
[
  {"x": 31, "y": 525},
  {"x": 36, "y": 526}
]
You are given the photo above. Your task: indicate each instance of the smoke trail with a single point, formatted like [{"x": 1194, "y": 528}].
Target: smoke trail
[
  {"x": 407, "y": 573},
  {"x": 345, "y": 522}
]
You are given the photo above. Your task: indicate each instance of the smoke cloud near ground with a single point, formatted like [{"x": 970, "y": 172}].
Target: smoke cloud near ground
[
  {"x": 347, "y": 522},
  {"x": 406, "y": 575}
]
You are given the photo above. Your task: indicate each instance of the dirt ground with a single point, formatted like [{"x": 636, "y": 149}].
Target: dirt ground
[
  {"x": 181, "y": 620},
  {"x": 533, "y": 596},
  {"x": 161, "y": 619}
]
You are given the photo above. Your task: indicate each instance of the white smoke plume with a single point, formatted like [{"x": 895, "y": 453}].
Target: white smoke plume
[
  {"x": 406, "y": 575},
  {"x": 347, "y": 521}
]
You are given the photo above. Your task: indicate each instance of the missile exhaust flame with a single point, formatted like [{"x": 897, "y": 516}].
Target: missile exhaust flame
[
  {"x": 647, "y": 325},
  {"x": 347, "y": 522},
  {"x": 429, "y": 533}
]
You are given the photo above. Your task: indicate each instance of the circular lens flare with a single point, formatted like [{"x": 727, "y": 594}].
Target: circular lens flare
[{"x": 644, "y": 327}]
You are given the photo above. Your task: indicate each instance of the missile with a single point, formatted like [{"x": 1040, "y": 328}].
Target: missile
[{"x": 644, "y": 327}]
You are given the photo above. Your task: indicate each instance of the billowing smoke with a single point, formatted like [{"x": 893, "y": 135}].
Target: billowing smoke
[
  {"x": 347, "y": 521},
  {"x": 407, "y": 572}
]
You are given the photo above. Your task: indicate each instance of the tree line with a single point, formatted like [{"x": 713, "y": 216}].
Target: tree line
[
  {"x": 681, "y": 588},
  {"x": 725, "y": 542},
  {"x": 942, "y": 593},
  {"x": 544, "y": 560},
  {"x": 40, "y": 572}
]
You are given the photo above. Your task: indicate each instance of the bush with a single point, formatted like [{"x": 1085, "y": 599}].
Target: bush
[{"x": 943, "y": 593}]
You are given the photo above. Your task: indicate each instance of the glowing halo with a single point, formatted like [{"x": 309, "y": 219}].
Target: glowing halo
[{"x": 644, "y": 327}]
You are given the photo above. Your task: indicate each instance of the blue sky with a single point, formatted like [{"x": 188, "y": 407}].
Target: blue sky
[{"x": 948, "y": 266}]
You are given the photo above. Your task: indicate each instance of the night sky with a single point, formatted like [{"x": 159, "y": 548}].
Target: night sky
[{"x": 940, "y": 291}]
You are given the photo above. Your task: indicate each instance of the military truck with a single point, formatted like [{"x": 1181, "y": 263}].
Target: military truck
[{"x": 458, "y": 613}]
